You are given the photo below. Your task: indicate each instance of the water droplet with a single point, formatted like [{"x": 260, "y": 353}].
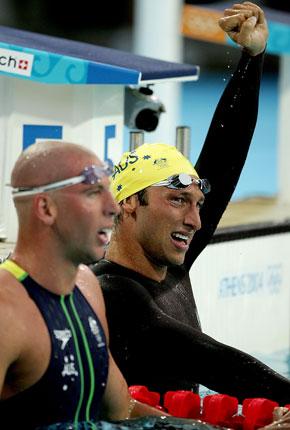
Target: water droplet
[
  {"x": 222, "y": 125},
  {"x": 65, "y": 387}
]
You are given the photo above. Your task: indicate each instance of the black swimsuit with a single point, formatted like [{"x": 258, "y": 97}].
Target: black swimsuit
[
  {"x": 72, "y": 387},
  {"x": 155, "y": 335}
]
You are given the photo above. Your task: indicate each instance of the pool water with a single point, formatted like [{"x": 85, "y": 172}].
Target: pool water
[{"x": 146, "y": 423}]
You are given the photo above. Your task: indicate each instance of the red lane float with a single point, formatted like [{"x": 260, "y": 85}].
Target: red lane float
[{"x": 217, "y": 409}]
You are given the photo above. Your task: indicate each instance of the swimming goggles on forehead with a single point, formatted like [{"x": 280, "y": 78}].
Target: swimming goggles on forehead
[
  {"x": 90, "y": 175},
  {"x": 183, "y": 180}
]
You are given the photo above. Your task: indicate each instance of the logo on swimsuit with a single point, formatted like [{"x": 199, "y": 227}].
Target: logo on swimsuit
[
  {"x": 63, "y": 335},
  {"x": 96, "y": 332},
  {"x": 69, "y": 366}
]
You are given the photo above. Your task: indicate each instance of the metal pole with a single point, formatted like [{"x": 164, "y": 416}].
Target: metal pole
[
  {"x": 183, "y": 140},
  {"x": 159, "y": 20},
  {"x": 136, "y": 139}
]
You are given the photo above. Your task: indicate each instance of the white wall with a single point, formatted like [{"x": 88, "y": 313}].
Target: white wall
[
  {"x": 242, "y": 289},
  {"x": 83, "y": 112},
  {"x": 284, "y": 130}
]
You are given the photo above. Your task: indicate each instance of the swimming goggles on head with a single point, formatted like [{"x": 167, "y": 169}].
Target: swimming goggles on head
[
  {"x": 90, "y": 175},
  {"x": 183, "y": 180}
]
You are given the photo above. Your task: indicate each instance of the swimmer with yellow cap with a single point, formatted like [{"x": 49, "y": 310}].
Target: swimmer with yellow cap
[{"x": 153, "y": 164}]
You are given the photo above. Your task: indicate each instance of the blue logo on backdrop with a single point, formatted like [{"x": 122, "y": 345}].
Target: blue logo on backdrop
[
  {"x": 110, "y": 133},
  {"x": 267, "y": 281},
  {"x": 31, "y": 132}
]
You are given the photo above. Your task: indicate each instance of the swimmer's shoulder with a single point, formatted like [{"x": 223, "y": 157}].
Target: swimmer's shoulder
[
  {"x": 114, "y": 275},
  {"x": 11, "y": 289},
  {"x": 87, "y": 282},
  {"x": 89, "y": 286}
]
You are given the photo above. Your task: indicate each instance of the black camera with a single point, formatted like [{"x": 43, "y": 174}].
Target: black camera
[{"x": 142, "y": 108}]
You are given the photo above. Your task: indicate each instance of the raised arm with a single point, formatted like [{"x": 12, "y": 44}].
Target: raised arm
[{"x": 228, "y": 140}]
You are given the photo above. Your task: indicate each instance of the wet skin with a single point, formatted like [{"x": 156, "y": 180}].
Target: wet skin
[
  {"x": 166, "y": 226},
  {"x": 85, "y": 217}
]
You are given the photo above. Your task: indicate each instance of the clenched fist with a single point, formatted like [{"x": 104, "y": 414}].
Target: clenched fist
[{"x": 246, "y": 25}]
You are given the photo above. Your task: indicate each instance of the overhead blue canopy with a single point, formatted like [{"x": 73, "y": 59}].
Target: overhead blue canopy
[{"x": 54, "y": 60}]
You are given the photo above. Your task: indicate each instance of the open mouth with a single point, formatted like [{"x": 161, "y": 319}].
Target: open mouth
[
  {"x": 179, "y": 238},
  {"x": 104, "y": 235}
]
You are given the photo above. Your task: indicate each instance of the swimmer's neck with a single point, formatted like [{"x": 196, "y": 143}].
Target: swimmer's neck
[
  {"x": 48, "y": 269},
  {"x": 131, "y": 255}
]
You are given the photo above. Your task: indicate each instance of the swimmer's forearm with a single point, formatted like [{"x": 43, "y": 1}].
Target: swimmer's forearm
[
  {"x": 141, "y": 410},
  {"x": 226, "y": 146}
]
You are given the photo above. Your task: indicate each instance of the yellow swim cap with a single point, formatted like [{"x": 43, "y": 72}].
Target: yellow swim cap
[{"x": 147, "y": 165}]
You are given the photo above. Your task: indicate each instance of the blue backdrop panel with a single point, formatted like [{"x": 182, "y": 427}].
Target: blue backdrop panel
[{"x": 32, "y": 132}]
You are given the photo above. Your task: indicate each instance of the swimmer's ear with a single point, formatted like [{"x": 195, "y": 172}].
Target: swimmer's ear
[
  {"x": 130, "y": 204},
  {"x": 45, "y": 208}
]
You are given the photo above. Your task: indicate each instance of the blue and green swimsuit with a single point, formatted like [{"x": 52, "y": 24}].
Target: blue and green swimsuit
[{"x": 72, "y": 387}]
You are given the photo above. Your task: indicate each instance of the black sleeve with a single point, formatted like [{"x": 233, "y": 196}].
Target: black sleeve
[
  {"x": 158, "y": 351},
  {"x": 226, "y": 146},
  {"x": 199, "y": 358}
]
